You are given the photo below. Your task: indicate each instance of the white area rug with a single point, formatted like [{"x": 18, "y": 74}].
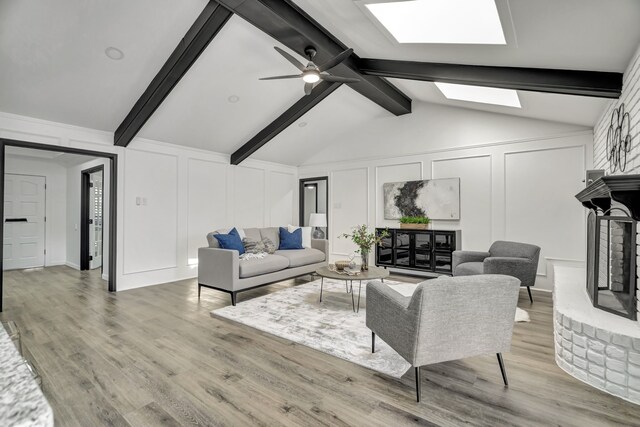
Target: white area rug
[{"x": 332, "y": 327}]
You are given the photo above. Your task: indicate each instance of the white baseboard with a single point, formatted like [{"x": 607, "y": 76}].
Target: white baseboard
[
  {"x": 72, "y": 265},
  {"x": 105, "y": 276}
]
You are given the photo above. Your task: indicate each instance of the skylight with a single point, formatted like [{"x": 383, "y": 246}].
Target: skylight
[
  {"x": 441, "y": 21},
  {"x": 484, "y": 95}
]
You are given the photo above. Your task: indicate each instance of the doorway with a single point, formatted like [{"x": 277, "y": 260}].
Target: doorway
[
  {"x": 314, "y": 196},
  {"x": 8, "y": 232},
  {"x": 24, "y": 221},
  {"x": 91, "y": 218}
]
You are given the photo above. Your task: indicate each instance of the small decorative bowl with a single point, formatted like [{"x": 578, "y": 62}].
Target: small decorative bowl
[{"x": 341, "y": 265}]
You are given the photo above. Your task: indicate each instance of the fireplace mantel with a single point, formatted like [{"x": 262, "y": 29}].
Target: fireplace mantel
[{"x": 624, "y": 189}]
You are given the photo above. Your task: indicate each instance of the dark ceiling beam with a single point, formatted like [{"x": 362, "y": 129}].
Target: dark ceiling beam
[
  {"x": 291, "y": 26},
  {"x": 203, "y": 30},
  {"x": 567, "y": 82},
  {"x": 297, "y": 110}
]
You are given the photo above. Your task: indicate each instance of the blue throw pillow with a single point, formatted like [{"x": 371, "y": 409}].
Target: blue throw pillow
[
  {"x": 230, "y": 241},
  {"x": 290, "y": 240}
]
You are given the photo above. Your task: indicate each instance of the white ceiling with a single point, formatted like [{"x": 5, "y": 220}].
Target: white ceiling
[
  {"x": 55, "y": 67},
  {"x": 197, "y": 113},
  {"x": 53, "y": 64}
]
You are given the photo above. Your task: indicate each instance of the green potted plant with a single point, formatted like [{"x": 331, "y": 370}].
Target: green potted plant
[
  {"x": 415, "y": 222},
  {"x": 365, "y": 240}
]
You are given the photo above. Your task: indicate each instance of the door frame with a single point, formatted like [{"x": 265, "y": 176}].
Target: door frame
[
  {"x": 84, "y": 214},
  {"x": 303, "y": 181},
  {"x": 113, "y": 198}
]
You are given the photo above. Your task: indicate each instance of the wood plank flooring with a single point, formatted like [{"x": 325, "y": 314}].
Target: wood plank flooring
[{"x": 155, "y": 357}]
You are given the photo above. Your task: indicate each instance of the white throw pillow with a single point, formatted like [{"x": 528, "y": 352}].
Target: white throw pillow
[{"x": 306, "y": 234}]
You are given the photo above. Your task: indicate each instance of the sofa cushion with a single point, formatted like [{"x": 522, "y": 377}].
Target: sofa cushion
[
  {"x": 257, "y": 267},
  {"x": 300, "y": 257},
  {"x": 252, "y": 233},
  {"x": 469, "y": 269},
  {"x": 271, "y": 233}
]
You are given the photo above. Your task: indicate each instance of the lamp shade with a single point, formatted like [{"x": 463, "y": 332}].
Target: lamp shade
[{"x": 318, "y": 220}]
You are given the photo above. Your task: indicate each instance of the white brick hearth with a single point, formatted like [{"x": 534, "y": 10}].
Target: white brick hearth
[{"x": 594, "y": 346}]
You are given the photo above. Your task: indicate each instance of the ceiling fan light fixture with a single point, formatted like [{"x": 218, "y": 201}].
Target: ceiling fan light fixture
[{"x": 311, "y": 77}]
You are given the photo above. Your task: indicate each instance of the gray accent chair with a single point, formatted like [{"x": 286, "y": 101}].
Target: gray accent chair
[
  {"x": 519, "y": 260},
  {"x": 445, "y": 319}
]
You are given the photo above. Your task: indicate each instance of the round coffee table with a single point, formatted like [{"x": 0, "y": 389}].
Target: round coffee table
[{"x": 370, "y": 274}]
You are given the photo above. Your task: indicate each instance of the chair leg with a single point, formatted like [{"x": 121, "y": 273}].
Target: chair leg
[
  {"x": 530, "y": 297},
  {"x": 502, "y": 369},
  {"x": 233, "y": 298},
  {"x": 373, "y": 342},
  {"x": 417, "y": 371},
  {"x": 199, "y": 289}
]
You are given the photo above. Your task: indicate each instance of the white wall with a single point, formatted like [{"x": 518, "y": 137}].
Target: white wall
[
  {"x": 55, "y": 203},
  {"x": 630, "y": 97},
  {"x": 189, "y": 192},
  {"x": 74, "y": 192},
  {"x": 520, "y": 189}
]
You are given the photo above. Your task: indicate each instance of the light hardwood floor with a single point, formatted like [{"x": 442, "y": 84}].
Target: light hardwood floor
[{"x": 154, "y": 356}]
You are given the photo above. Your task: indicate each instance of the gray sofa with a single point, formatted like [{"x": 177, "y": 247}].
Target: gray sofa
[
  {"x": 519, "y": 260},
  {"x": 447, "y": 318},
  {"x": 223, "y": 270}
]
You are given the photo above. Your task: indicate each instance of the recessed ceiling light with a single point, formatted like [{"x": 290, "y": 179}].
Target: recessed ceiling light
[
  {"x": 233, "y": 99},
  {"x": 302, "y": 124},
  {"x": 114, "y": 53},
  {"x": 485, "y": 95},
  {"x": 441, "y": 21}
]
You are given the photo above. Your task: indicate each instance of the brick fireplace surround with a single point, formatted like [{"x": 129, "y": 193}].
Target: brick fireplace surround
[{"x": 596, "y": 347}]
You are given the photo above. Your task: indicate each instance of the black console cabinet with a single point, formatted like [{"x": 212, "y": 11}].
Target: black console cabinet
[{"x": 422, "y": 250}]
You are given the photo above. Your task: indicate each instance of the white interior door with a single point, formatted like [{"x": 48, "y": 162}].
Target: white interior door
[
  {"x": 95, "y": 220},
  {"x": 24, "y": 221}
]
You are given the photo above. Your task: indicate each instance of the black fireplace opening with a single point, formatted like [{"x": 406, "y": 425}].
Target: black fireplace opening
[{"x": 611, "y": 263}]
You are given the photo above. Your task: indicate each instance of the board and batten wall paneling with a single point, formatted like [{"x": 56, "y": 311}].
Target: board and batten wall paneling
[
  {"x": 475, "y": 198},
  {"x": 150, "y": 229},
  {"x": 540, "y": 206},
  {"x": 280, "y": 195},
  {"x": 349, "y": 198},
  {"x": 207, "y": 202},
  {"x": 393, "y": 173},
  {"x": 249, "y": 197}
]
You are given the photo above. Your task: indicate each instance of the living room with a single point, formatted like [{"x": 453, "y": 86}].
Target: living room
[{"x": 194, "y": 144}]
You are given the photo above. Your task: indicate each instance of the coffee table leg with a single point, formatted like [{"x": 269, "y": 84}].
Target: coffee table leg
[
  {"x": 346, "y": 285},
  {"x": 359, "y": 290},
  {"x": 321, "y": 284},
  {"x": 352, "y": 299}
]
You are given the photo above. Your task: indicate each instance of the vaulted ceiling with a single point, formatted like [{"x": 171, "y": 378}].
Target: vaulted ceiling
[{"x": 55, "y": 67}]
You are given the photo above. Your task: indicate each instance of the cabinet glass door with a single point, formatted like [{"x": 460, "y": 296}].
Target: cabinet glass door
[
  {"x": 444, "y": 242},
  {"x": 423, "y": 259},
  {"x": 443, "y": 262},
  {"x": 385, "y": 250}
]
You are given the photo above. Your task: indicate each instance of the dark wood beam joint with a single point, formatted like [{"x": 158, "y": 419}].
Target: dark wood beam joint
[
  {"x": 290, "y": 25},
  {"x": 204, "y": 29},
  {"x": 567, "y": 82},
  {"x": 293, "y": 113}
]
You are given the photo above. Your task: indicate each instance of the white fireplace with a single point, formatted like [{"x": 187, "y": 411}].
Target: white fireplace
[{"x": 595, "y": 346}]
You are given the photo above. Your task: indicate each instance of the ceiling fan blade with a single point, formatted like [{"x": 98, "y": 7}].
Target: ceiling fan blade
[
  {"x": 338, "y": 79},
  {"x": 335, "y": 60},
  {"x": 290, "y": 58},
  {"x": 308, "y": 87},
  {"x": 291, "y": 76}
]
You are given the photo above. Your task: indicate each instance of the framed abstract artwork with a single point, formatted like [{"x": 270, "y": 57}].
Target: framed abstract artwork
[{"x": 435, "y": 198}]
